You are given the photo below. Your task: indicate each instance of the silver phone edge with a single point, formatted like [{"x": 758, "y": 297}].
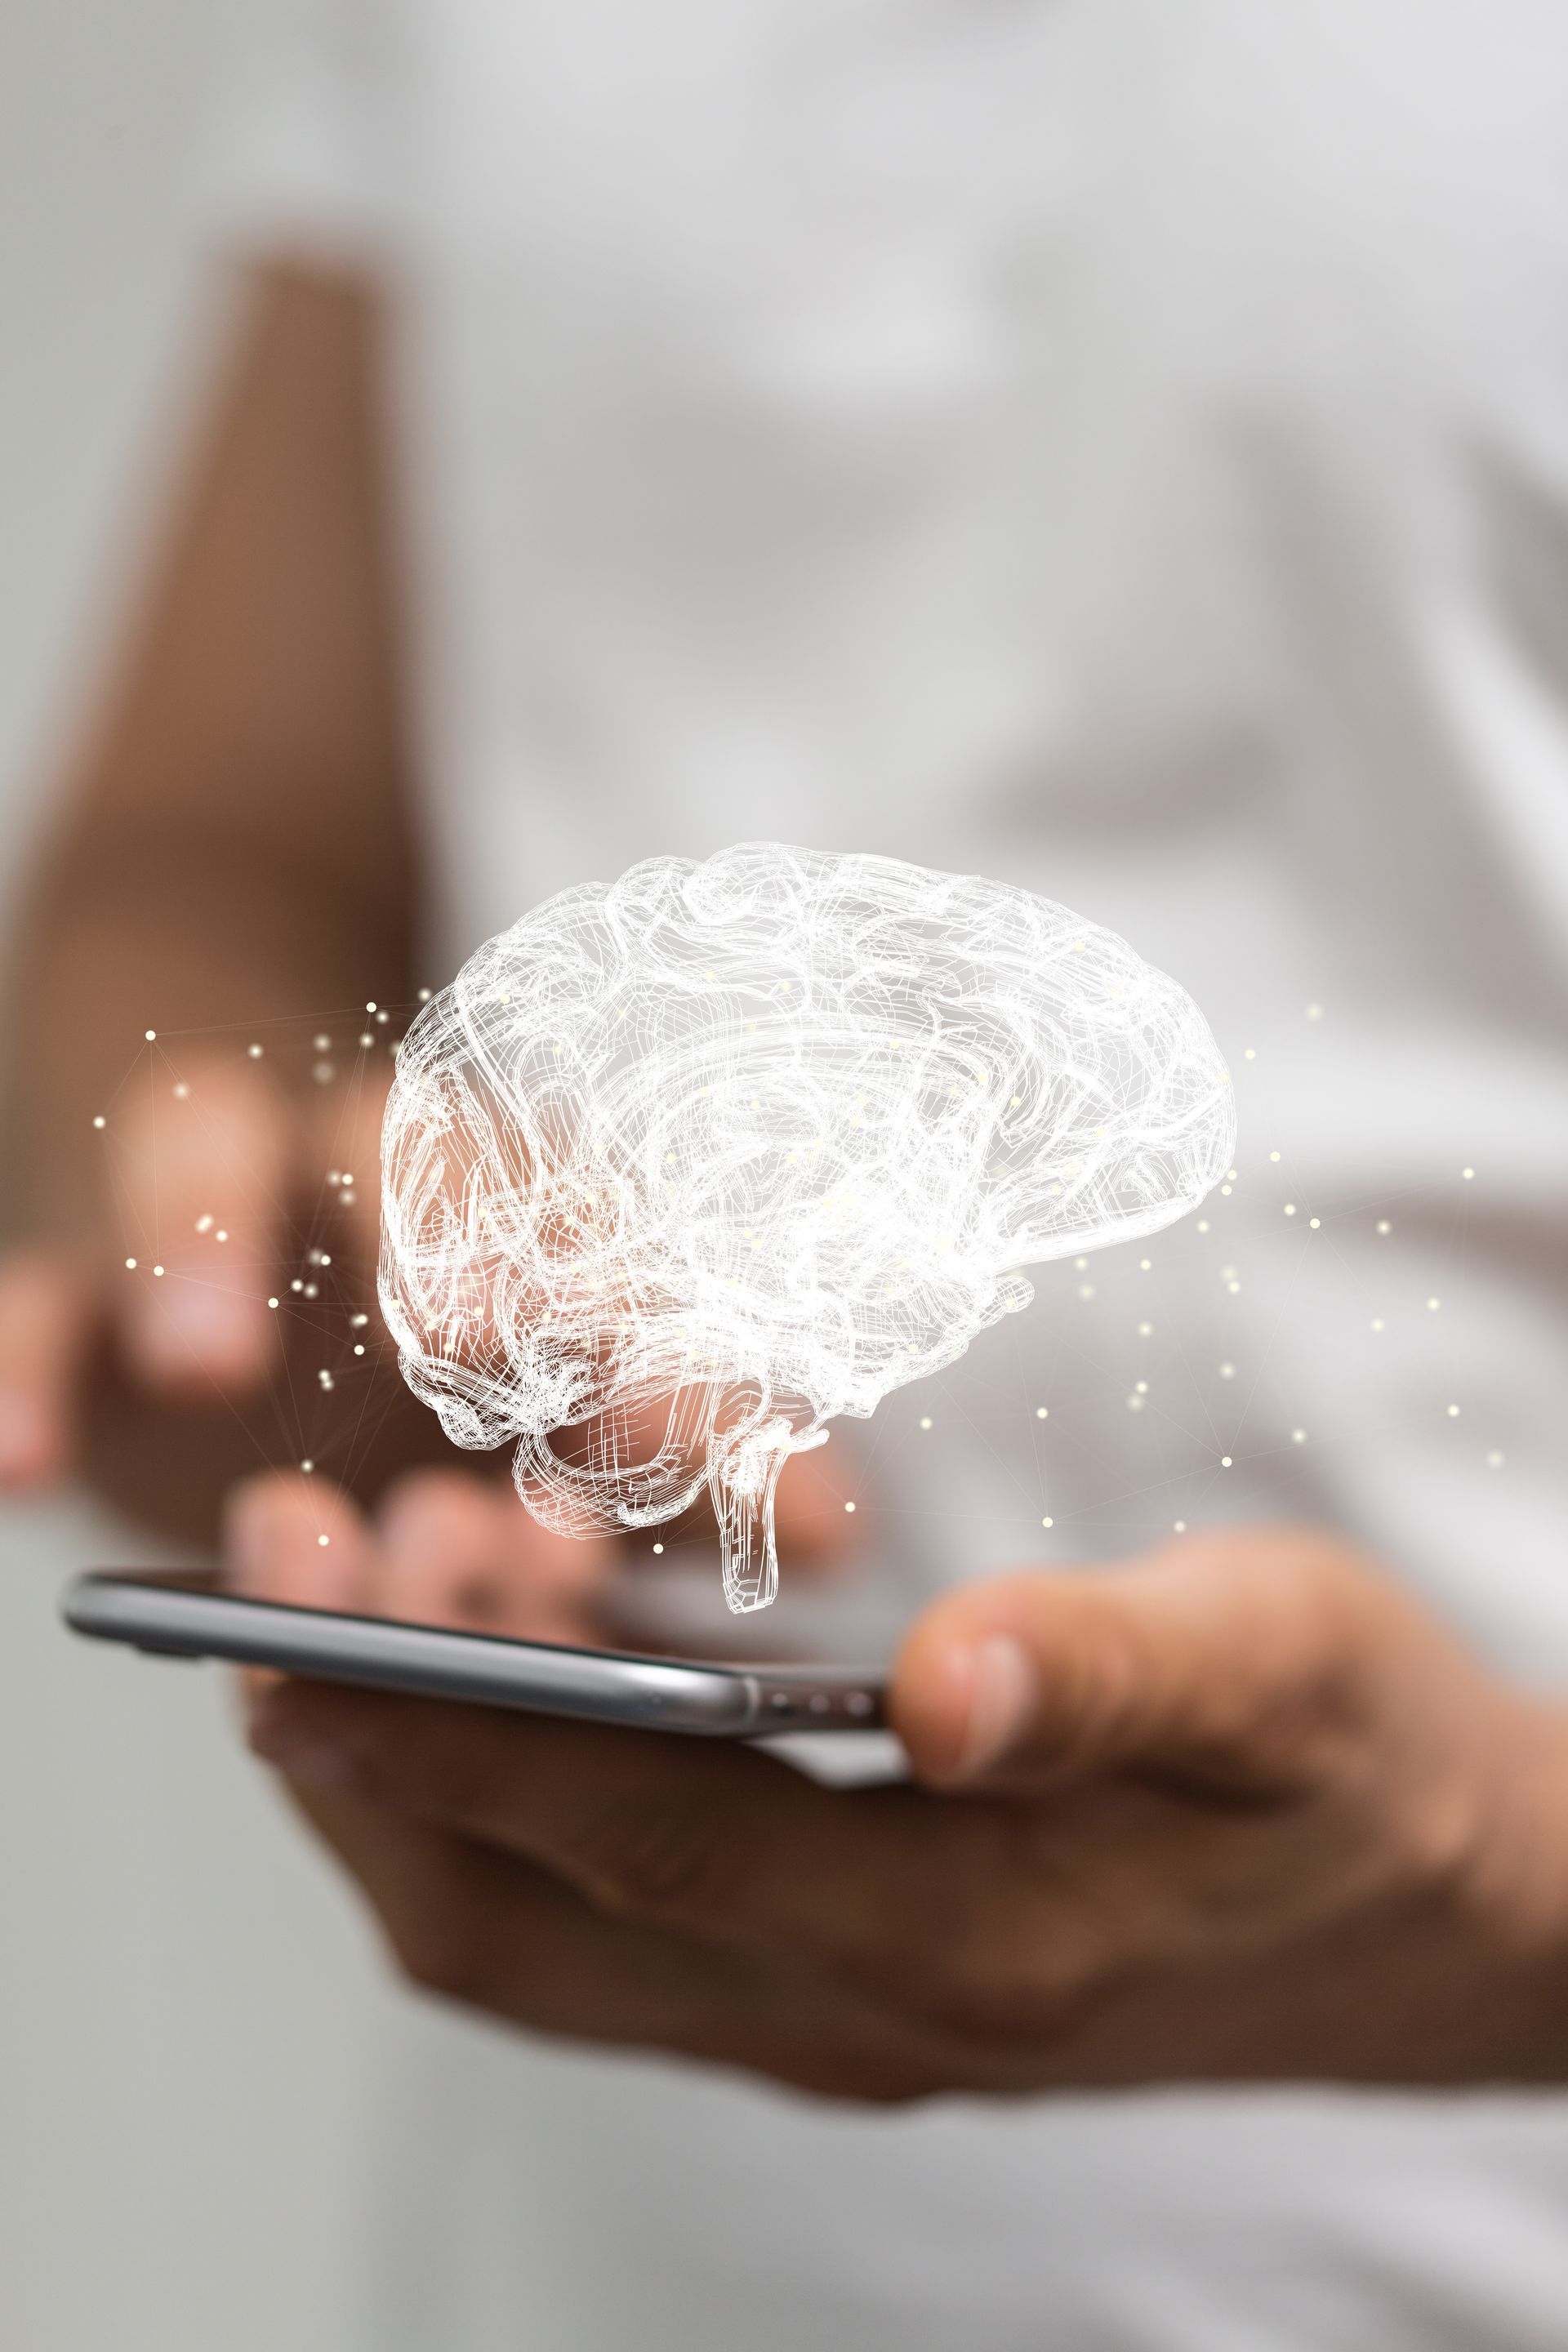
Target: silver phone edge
[{"x": 683, "y": 1696}]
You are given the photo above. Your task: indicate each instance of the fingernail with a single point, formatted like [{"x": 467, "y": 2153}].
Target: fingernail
[
  {"x": 193, "y": 1326},
  {"x": 1003, "y": 1696},
  {"x": 250, "y": 1542},
  {"x": 25, "y": 1437},
  {"x": 301, "y": 1751}
]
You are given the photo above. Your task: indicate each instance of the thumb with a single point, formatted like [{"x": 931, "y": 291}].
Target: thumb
[{"x": 1214, "y": 1659}]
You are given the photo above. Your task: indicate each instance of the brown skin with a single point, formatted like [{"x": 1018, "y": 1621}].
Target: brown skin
[
  {"x": 1238, "y": 1811},
  {"x": 232, "y": 846}
]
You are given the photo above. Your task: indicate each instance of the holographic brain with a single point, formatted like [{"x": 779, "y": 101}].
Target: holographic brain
[{"x": 678, "y": 1170}]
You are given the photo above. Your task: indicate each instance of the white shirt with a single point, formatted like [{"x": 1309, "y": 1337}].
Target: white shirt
[{"x": 1122, "y": 450}]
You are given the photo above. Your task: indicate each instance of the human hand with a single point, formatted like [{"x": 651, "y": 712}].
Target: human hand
[
  {"x": 168, "y": 1384},
  {"x": 1239, "y": 1811}
]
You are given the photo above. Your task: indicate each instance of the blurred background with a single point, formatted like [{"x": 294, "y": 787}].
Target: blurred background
[
  {"x": 165, "y": 2181},
  {"x": 205, "y": 2073}
]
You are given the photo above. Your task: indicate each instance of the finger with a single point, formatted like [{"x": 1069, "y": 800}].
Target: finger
[
  {"x": 201, "y": 1172},
  {"x": 1221, "y": 1657},
  {"x": 299, "y": 1540},
  {"x": 813, "y": 1530},
  {"x": 46, "y": 1312},
  {"x": 713, "y": 1839},
  {"x": 476, "y": 1927},
  {"x": 460, "y": 1551}
]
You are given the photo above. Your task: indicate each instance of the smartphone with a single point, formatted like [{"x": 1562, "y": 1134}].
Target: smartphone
[{"x": 192, "y": 1616}]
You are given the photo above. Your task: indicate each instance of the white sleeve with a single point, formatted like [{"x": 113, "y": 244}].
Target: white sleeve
[{"x": 306, "y": 153}]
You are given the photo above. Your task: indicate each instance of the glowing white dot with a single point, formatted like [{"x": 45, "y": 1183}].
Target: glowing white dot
[
  {"x": 366, "y": 1037},
  {"x": 850, "y": 1507},
  {"x": 1377, "y": 1323},
  {"x": 157, "y": 1269},
  {"x": 1468, "y": 1173},
  {"x": 100, "y": 1120},
  {"x": 1298, "y": 1437},
  {"x": 150, "y": 1034},
  {"x": 182, "y": 1091},
  {"x": 254, "y": 1052},
  {"x": 1233, "y": 1287},
  {"x": 1144, "y": 1263},
  {"x": 1086, "y": 1290},
  {"x": 383, "y": 1016},
  {"x": 1250, "y": 1055},
  {"x": 1274, "y": 1155},
  {"x": 1145, "y": 1330},
  {"x": 204, "y": 1224},
  {"x": 131, "y": 1265},
  {"x": 359, "y": 1349},
  {"x": 1315, "y": 1223},
  {"x": 221, "y": 1234},
  {"x": 1494, "y": 1461},
  {"x": 657, "y": 1549},
  {"x": 307, "y": 1467},
  {"x": 1042, "y": 1412},
  {"x": 323, "y": 1541},
  {"x": 358, "y": 1322},
  {"x": 370, "y": 1004},
  {"x": 1203, "y": 1225},
  {"x": 1433, "y": 1304},
  {"x": 272, "y": 1302},
  {"x": 1134, "y": 1404},
  {"x": 1226, "y": 1191},
  {"x": 1227, "y": 1371},
  {"x": 925, "y": 1421},
  {"x": 1180, "y": 1525},
  {"x": 1081, "y": 1263},
  {"x": 1141, "y": 1387},
  {"x": 1047, "y": 1523},
  {"x": 1234, "y": 1174},
  {"x": 1225, "y": 1460},
  {"x": 1383, "y": 1226},
  {"x": 1289, "y": 1208},
  {"x": 1453, "y": 1412},
  {"x": 322, "y": 1044},
  {"x": 424, "y": 996}
]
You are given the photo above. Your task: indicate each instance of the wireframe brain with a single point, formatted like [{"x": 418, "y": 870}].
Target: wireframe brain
[{"x": 679, "y": 1169}]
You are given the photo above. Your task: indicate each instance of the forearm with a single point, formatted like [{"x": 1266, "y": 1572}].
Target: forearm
[{"x": 233, "y": 845}]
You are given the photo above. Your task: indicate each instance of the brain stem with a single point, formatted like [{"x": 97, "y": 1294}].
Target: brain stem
[{"x": 744, "y": 1469}]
